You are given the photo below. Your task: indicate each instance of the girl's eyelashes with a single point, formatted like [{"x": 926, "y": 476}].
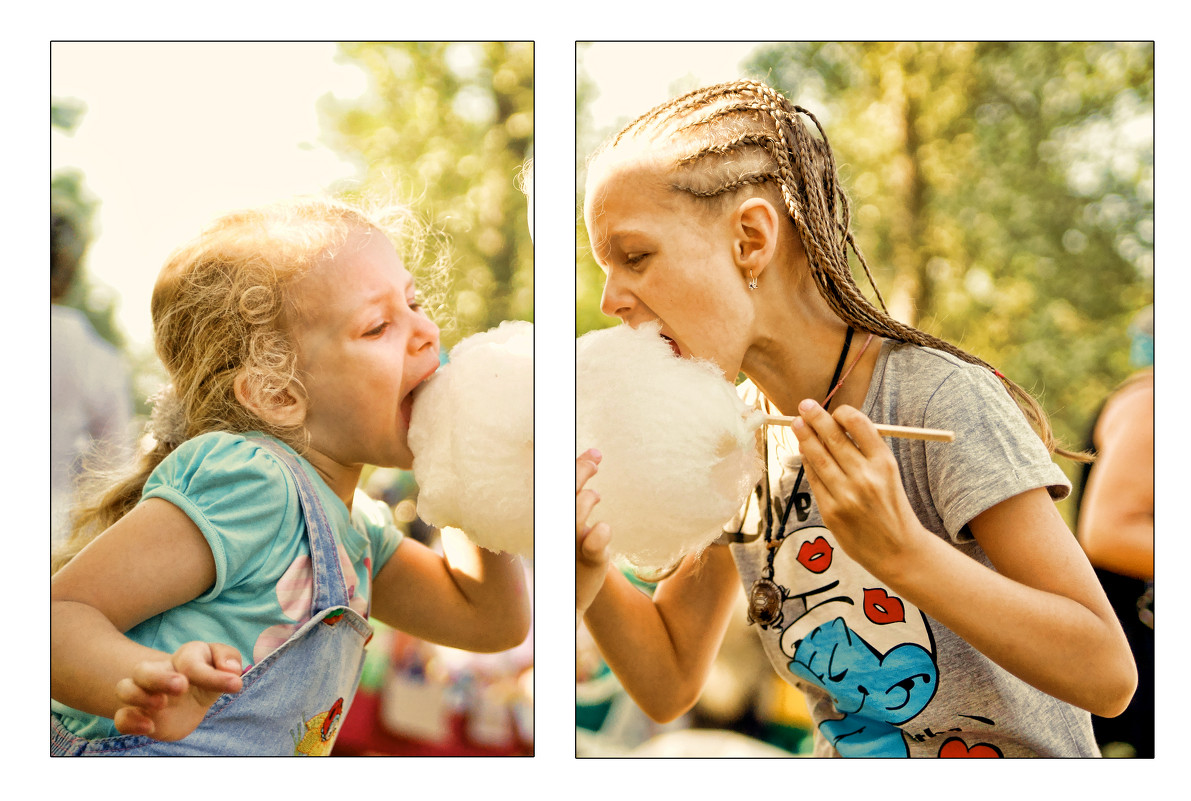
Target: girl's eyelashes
[
  {"x": 634, "y": 260},
  {"x": 377, "y": 330}
]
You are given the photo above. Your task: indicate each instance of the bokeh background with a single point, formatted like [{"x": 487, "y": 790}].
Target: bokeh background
[
  {"x": 1003, "y": 193},
  {"x": 150, "y": 141}
]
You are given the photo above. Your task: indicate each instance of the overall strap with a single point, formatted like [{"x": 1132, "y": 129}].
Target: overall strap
[{"x": 329, "y": 586}]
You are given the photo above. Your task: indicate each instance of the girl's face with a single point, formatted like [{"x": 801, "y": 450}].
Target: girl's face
[
  {"x": 666, "y": 258},
  {"x": 364, "y": 344}
]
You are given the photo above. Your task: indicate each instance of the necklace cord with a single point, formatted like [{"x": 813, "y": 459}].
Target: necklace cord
[
  {"x": 851, "y": 367},
  {"x": 837, "y": 381}
]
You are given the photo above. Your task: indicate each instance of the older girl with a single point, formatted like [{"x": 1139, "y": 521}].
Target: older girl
[{"x": 927, "y": 597}]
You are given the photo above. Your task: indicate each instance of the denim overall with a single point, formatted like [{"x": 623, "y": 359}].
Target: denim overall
[{"x": 292, "y": 701}]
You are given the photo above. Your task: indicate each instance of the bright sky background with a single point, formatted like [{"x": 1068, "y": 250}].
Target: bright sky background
[
  {"x": 633, "y": 77},
  {"x": 175, "y": 134}
]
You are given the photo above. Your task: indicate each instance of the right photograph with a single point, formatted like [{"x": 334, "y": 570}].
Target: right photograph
[{"x": 864, "y": 399}]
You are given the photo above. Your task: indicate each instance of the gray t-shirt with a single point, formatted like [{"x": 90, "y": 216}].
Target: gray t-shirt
[{"x": 881, "y": 677}]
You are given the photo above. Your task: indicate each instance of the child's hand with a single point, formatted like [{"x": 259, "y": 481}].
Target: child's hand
[
  {"x": 167, "y": 699},
  {"x": 591, "y": 543},
  {"x": 857, "y": 486}
]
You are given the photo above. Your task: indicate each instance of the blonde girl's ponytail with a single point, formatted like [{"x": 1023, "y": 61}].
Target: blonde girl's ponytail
[{"x": 107, "y": 497}]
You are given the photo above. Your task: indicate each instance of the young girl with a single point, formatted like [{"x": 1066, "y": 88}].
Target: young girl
[
  {"x": 222, "y": 610},
  {"x": 926, "y": 597}
]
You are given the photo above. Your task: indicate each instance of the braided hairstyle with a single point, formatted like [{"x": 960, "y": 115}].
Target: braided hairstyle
[{"x": 722, "y": 139}]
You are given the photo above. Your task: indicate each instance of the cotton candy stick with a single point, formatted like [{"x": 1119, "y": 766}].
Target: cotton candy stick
[{"x": 885, "y": 430}]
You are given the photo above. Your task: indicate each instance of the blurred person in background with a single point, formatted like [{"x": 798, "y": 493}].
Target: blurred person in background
[
  {"x": 90, "y": 402},
  {"x": 1116, "y": 529}
]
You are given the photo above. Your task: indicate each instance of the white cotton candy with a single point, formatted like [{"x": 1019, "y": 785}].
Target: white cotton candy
[
  {"x": 679, "y": 446},
  {"x": 471, "y": 434}
]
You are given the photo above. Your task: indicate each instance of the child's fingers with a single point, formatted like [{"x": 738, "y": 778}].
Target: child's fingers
[
  {"x": 593, "y": 548},
  {"x": 130, "y": 720},
  {"x": 860, "y": 430},
  {"x": 585, "y": 501},
  {"x": 209, "y": 666},
  {"x": 157, "y": 677},
  {"x": 833, "y": 436},
  {"x": 225, "y": 658},
  {"x": 586, "y": 466},
  {"x": 132, "y": 694}
]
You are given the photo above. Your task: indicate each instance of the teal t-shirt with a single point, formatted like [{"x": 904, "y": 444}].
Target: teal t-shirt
[{"x": 246, "y": 505}]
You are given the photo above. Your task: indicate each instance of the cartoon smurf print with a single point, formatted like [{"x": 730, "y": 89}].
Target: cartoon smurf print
[{"x": 869, "y": 651}]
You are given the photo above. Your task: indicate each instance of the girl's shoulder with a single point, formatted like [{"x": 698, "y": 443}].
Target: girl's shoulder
[
  {"x": 238, "y": 494},
  {"x": 222, "y": 468},
  {"x": 914, "y": 370}
]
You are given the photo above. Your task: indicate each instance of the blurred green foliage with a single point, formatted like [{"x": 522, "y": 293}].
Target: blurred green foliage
[
  {"x": 1002, "y": 193},
  {"x": 69, "y": 195},
  {"x": 447, "y": 127}
]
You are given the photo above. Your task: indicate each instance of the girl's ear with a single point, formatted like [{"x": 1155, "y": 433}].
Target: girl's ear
[
  {"x": 283, "y": 407},
  {"x": 755, "y": 232}
]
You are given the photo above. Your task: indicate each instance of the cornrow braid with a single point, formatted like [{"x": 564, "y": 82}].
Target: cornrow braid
[{"x": 734, "y": 119}]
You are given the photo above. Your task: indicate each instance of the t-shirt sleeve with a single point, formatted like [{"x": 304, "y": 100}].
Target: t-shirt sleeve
[
  {"x": 238, "y": 495},
  {"x": 376, "y": 519},
  {"x": 995, "y": 455}
]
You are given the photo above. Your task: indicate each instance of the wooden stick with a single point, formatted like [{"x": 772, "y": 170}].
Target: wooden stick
[{"x": 904, "y": 432}]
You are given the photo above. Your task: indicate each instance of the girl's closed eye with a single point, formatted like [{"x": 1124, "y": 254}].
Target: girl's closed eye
[
  {"x": 377, "y": 330},
  {"x": 634, "y": 261}
]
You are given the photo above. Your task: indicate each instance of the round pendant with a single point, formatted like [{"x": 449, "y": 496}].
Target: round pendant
[{"x": 765, "y": 602}]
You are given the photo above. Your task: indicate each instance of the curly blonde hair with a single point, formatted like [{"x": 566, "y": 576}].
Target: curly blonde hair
[{"x": 222, "y": 308}]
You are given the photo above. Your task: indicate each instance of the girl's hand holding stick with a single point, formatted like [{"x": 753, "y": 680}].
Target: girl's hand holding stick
[{"x": 902, "y": 432}]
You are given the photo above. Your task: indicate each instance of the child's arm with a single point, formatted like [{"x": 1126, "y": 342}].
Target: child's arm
[
  {"x": 1041, "y": 614},
  {"x": 468, "y": 598},
  {"x": 660, "y": 648},
  {"x": 151, "y": 560}
]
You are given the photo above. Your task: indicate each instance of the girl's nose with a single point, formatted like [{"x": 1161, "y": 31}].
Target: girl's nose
[
  {"x": 425, "y": 334},
  {"x": 615, "y": 301}
]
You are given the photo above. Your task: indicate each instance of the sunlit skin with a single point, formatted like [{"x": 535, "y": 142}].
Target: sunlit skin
[
  {"x": 364, "y": 345},
  {"x": 670, "y": 258}
]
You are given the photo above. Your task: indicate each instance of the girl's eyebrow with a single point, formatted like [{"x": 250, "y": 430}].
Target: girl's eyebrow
[{"x": 611, "y": 243}]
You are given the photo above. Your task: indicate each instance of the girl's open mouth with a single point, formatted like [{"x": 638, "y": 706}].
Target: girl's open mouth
[
  {"x": 673, "y": 345},
  {"x": 407, "y": 403},
  {"x": 407, "y": 408}
]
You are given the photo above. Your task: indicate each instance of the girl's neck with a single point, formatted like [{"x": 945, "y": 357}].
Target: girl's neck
[
  {"x": 342, "y": 479},
  {"x": 796, "y": 353}
]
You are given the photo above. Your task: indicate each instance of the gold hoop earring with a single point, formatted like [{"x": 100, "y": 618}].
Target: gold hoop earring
[{"x": 752, "y": 280}]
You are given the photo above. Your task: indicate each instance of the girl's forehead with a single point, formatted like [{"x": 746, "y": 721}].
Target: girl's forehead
[
  {"x": 624, "y": 182},
  {"x": 365, "y": 266}
]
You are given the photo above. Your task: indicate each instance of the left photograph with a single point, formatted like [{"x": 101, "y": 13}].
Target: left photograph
[{"x": 291, "y": 359}]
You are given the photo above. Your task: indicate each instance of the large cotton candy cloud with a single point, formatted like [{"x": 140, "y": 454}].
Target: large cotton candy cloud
[
  {"x": 679, "y": 446},
  {"x": 471, "y": 434}
]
